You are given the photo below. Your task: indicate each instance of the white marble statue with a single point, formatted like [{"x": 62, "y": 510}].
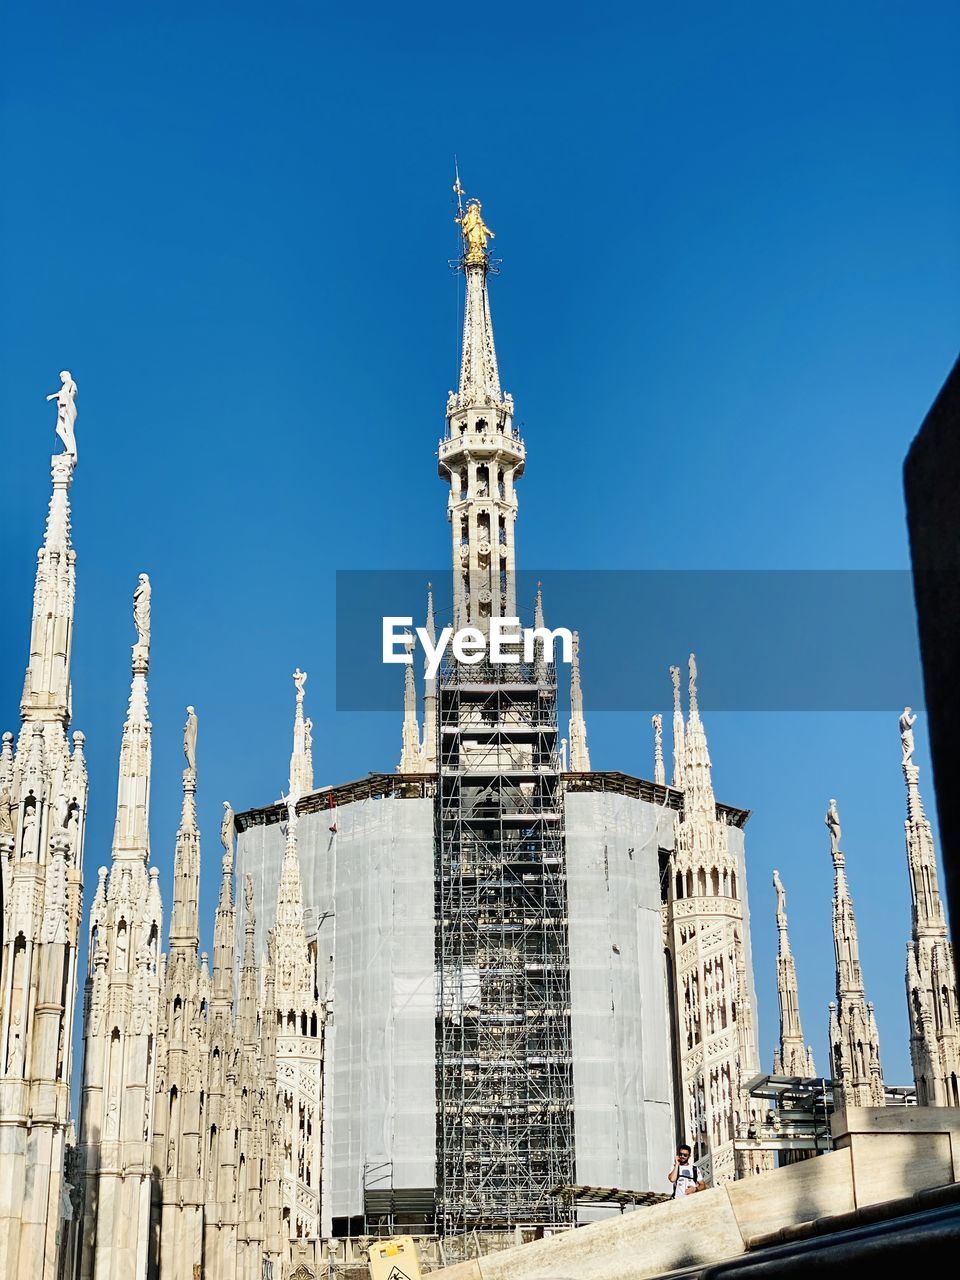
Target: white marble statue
[
  {"x": 15, "y": 1054},
  {"x": 66, "y": 399},
  {"x": 228, "y": 829},
  {"x": 190, "y": 739},
  {"x": 141, "y": 610},
  {"x": 299, "y": 679},
  {"x": 290, "y": 802},
  {"x": 28, "y": 844},
  {"x": 907, "y": 721},
  {"x": 63, "y": 809},
  {"x": 6, "y": 811},
  {"x": 833, "y": 825},
  {"x": 781, "y": 895}
]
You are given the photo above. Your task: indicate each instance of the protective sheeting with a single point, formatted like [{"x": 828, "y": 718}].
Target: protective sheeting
[
  {"x": 620, "y": 1023},
  {"x": 368, "y": 889},
  {"x": 736, "y": 846}
]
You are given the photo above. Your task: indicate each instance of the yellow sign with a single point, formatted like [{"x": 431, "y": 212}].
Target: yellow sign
[{"x": 395, "y": 1260}]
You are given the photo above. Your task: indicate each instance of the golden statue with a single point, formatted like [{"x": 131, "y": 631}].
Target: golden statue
[{"x": 475, "y": 233}]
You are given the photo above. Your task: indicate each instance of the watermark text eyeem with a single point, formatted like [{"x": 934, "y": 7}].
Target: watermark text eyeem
[{"x": 505, "y": 642}]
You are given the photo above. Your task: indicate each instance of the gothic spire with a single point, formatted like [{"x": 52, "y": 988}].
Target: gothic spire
[
  {"x": 429, "y": 747},
  {"x": 677, "y": 730},
  {"x": 131, "y": 837},
  {"x": 539, "y": 650},
  {"x": 247, "y": 1010},
  {"x": 846, "y": 943},
  {"x": 696, "y": 770},
  {"x": 295, "y": 979},
  {"x": 46, "y": 689},
  {"x": 927, "y": 905},
  {"x": 792, "y": 1058},
  {"x": 479, "y": 376},
  {"x": 579, "y": 753},
  {"x": 184, "y": 918},
  {"x": 225, "y": 919},
  {"x": 481, "y": 455},
  {"x": 931, "y": 975},
  {"x": 123, "y": 994},
  {"x": 854, "y": 1044},
  {"x": 410, "y": 757},
  {"x": 301, "y": 758},
  {"x": 659, "y": 773}
]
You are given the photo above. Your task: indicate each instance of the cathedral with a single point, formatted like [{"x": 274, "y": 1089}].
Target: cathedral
[{"x": 441, "y": 1000}]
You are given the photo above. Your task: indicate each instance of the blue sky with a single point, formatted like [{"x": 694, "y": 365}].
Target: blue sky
[{"x": 729, "y": 294}]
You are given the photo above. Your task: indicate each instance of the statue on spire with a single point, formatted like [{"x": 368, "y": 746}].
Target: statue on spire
[
  {"x": 228, "y": 830},
  {"x": 66, "y": 399},
  {"x": 781, "y": 896},
  {"x": 833, "y": 825},
  {"x": 141, "y": 610},
  {"x": 190, "y": 739},
  {"x": 907, "y": 721},
  {"x": 475, "y": 233}
]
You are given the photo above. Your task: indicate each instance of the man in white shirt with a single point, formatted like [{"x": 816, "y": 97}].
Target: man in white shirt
[{"x": 685, "y": 1175}]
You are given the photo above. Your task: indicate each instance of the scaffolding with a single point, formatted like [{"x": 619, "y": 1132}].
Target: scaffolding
[
  {"x": 504, "y": 1059},
  {"x": 799, "y": 1110}
]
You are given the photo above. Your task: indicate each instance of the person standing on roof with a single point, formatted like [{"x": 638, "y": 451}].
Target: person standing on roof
[{"x": 685, "y": 1175}]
